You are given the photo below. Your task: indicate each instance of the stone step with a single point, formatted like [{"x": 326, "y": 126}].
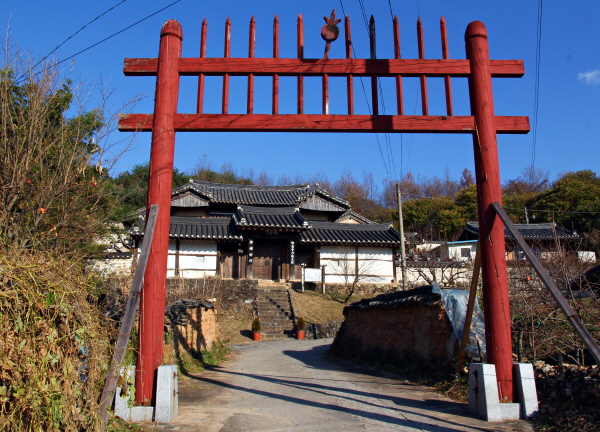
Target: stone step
[
  {"x": 269, "y": 315},
  {"x": 277, "y": 322}
]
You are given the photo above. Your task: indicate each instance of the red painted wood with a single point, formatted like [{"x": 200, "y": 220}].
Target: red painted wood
[
  {"x": 226, "y": 55},
  {"x": 491, "y": 228},
  {"x": 349, "y": 78},
  {"x": 200, "y": 100},
  {"x": 320, "y": 123},
  {"x": 251, "y": 43},
  {"x": 300, "y": 39},
  {"x": 447, "y": 84},
  {"x": 373, "y": 46},
  {"x": 332, "y": 67},
  {"x": 325, "y": 94},
  {"x": 399, "y": 96},
  {"x": 275, "y": 108},
  {"x": 152, "y": 307},
  {"x": 422, "y": 78}
]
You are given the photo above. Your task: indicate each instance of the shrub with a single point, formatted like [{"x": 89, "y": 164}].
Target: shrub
[{"x": 256, "y": 325}]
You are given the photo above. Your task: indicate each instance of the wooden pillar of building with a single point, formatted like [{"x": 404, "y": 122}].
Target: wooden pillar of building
[
  {"x": 153, "y": 297},
  {"x": 491, "y": 228}
]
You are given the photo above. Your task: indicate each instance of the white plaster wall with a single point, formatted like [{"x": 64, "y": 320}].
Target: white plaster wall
[
  {"x": 376, "y": 265},
  {"x": 455, "y": 253},
  {"x": 191, "y": 265}
]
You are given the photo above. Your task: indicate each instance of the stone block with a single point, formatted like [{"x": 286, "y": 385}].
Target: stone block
[
  {"x": 483, "y": 392},
  {"x": 510, "y": 411},
  {"x": 122, "y": 408},
  {"x": 525, "y": 391},
  {"x": 167, "y": 391},
  {"x": 167, "y": 396}
]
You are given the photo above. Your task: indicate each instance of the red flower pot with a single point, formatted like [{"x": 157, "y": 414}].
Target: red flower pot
[
  {"x": 256, "y": 336},
  {"x": 300, "y": 334}
]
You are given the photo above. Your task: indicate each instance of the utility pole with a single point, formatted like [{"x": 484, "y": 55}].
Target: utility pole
[{"x": 401, "y": 230}]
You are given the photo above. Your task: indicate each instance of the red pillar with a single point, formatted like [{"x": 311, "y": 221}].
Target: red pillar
[
  {"x": 153, "y": 297},
  {"x": 491, "y": 228}
]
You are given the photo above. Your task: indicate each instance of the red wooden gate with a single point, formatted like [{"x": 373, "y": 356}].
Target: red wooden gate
[{"x": 483, "y": 125}]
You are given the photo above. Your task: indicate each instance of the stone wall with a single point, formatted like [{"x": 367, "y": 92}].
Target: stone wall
[
  {"x": 228, "y": 293},
  {"x": 322, "y": 331},
  {"x": 403, "y": 328},
  {"x": 110, "y": 267}
]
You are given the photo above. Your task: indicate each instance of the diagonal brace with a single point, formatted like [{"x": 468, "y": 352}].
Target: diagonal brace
[{"x": 576, "y": 323}]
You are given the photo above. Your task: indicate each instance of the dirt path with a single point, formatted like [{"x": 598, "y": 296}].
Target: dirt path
[{"x": 290, "y": 385}]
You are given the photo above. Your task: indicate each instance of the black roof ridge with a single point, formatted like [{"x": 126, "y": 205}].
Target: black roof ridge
[
  {"x": 268, "y": 210},
  {"x": 201, "y": 220},
  {"x": 250, "y": 187},
  {"x": 351, "y": 227}
]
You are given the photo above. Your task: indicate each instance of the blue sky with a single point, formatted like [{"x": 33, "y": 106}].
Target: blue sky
[{"x": 568, "y": 126}]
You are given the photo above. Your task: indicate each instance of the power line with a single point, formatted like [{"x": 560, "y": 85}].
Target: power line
[
  {"x": 364, "y": 91},
  {"x": 70, "y": 37},
  {"x": 112, "y": 35},
  {"x": 389, "y": 149}
]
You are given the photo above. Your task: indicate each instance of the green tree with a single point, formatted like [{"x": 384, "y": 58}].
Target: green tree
[
  {"x": 132, "y": 186},
  {"x": 573, "y": 201}
]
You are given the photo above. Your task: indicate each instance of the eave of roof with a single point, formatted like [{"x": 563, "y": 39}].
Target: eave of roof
[
  {"x": 194, "y": 228},
  {"x": 541, "y": 231},
  {"x": 332, "y": 233}
]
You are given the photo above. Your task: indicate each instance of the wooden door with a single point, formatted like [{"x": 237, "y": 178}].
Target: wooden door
[
  {"x": 267, "y": 262},
  {"x": 232, "y": 266}
]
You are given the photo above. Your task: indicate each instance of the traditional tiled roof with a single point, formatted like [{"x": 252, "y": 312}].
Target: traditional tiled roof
[
  {"x": 251, "y": 194},
  {"x": 333, "y": 233},
  {"x": 191, "y": 186},
  {"x": 201, "y": 229},
  {"x": 422, "y": 296},
  {"x": 318, "y": 190},
  {"x": 350, "y": 214},
  {"x": 269, "y": 217},
  {"x": 541, "y": 231}
]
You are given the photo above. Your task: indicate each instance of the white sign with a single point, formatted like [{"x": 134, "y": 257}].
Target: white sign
[{"x": 312, "y": 274}]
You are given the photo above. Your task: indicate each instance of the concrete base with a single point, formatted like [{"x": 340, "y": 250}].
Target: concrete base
[
  {"x": 525, "y": 391},
  {"x": 167, "y": 394},
  {"x": 483, "y": 393},
  {"x": 167, "y": 397}
]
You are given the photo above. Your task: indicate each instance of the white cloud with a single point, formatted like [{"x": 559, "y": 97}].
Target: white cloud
[{"x": 591, "y": 77}]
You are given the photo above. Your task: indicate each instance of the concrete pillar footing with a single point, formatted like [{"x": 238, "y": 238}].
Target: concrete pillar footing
[
  {"x": 483, "y": 393},
  {"x": 167, "y": 397}
]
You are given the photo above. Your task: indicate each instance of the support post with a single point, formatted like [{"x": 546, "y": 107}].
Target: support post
[
  {"x": 491, "y": 228},
  {"x": 152, "y": 307},
  {"x": 401, "y": 231}
]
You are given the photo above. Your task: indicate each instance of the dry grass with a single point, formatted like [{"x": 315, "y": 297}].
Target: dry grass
[
  {"x": 53, "y": 344},
  {"x": 318, "y": 308}
]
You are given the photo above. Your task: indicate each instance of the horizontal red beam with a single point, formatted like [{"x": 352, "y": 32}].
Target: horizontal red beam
[
  {"x": 332, "y": 67},
  {"x": 321, "y": 123}
]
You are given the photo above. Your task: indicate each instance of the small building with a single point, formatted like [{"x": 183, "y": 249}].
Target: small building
[
  {"x": 543, "y": 238},
  {"x": 456, "y": 251},
  {"x": 270, "y": 232}
]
